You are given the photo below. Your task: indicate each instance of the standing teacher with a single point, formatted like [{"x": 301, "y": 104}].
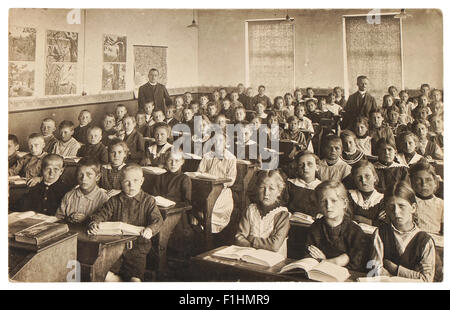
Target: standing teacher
[
  {"x": 153, "y": 91},
  {"x": 361, "y": 103}
]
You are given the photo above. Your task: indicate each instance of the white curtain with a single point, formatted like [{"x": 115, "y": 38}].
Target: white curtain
[
  {"x": 374, "y": 50},
  {"x": 271, "y": 56}
]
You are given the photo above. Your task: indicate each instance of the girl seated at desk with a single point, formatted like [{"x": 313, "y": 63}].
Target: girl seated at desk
[
  {"x": 221, "y": 163},
  {"x": 265, "y": 224},
  {"x": 334, "y": 237}
]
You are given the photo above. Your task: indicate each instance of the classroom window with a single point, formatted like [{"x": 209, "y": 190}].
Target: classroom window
[
  {"x": 271, "y": 55},
  {"x": 375, "y": 50}
]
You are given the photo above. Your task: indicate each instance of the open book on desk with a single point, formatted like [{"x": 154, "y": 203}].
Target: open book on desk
[
  {"x": 322, "y": 272},
  {"x": 302, "y": 218},
  {"x": 250, "y": 255},
  {"x": 118, "y": 228}
]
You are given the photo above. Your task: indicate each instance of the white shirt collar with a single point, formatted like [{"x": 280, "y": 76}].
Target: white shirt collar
[{"x": 301, "y": 183}]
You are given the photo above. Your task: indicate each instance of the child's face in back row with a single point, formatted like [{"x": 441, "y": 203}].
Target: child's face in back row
[
  {"x": 36, "y": 146},
  {"x": 109, "y": 123},
  {"x": 333, "y": 150},
  {"x": 424, "y": 183},
  {"x": 376, "y": 120},
  {"x": 94, "y": 136},
  {"x": 332, "y": 206},
  {"x": 386, "y": 154},
  {"x": 307, "y": 168},
  {"x": 66, "y": 133},
  {"x": 161, "y": 136},
  {"x": 132, "y": 181},
  {"x": 87, "y": 178},
  {"x": 117, "y": 155},
  {"x": 140, "y": 119},
  {"x": 48, "y": 128},
  {"x": 120, "y": 112},
  {"x": 85, "y": 118},
  {"x": 174, "y": 162},
  {"x": 129, "y": 124},
  {"x": 158, "y": 116},
  {"x": 52, "y": 171}
]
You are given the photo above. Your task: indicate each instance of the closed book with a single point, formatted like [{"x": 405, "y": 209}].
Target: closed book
[
  {"x": 164, "y": 202},
  {"x": 302, "y": 218},
  {"x": 22, "y": 224},
  {"x": 41, "y": 233}
]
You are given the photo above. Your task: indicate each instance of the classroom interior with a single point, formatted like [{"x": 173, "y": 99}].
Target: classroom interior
[{"x": 198, "y": 60}]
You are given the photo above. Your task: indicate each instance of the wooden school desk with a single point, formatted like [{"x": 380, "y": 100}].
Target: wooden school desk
[
  {"x": 205, "y": 267},
  {"x": 245, "y": 172},
  {"x": 97, "y": 254},
  {"x": 50, "y": 262},
  {"x": 171, "y": 217},
  {"x": 204, "y": 195}
]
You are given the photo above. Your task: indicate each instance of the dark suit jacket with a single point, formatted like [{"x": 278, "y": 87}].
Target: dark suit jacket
[
  {"x": 357, "y": 106},
  {"x": 158, "y": 94},
  {"x": 136, "y": 145}
]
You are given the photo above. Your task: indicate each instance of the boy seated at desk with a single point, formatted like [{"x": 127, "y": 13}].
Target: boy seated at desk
[
  {"x": 133, "y": 139},
  {"x": 13, "y": 149},
  {"x": 132, "y": 206},
  {"x": 173, "y": 184},
  {"x": 109, "y": 131},
  {"x": 94, "y": 147},
  {"x": 29, "y": 166},
  {"x": 334, "y": 237},
  {"x": 154, "y": 153},
  {"x": 48, "y": 128},
  {"x": 80, "y": 132},
  {"x": 265, "y": 224},
  {"x": 67, "y": 146},
  {"x": 86, "y": 197},
  {"x": 46, "y": 196},
  {"x": 141, "y": 123}
]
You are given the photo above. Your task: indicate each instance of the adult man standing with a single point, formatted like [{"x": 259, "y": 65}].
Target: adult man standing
[
  {"x": 154, "y": 91},
  {"x": 361, "y": 103}
]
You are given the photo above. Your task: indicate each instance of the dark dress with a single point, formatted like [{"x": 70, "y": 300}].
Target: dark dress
[{"x": 346, "y": 238}]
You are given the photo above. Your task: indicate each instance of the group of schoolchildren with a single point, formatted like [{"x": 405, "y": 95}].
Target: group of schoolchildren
[{"x": 378, "y": 171}]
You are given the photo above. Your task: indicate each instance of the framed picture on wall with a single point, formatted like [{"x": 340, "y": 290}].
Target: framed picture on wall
[{"x": 145, "y": 58}]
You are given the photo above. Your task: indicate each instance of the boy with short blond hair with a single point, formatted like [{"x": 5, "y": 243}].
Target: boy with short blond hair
[
  {"x": 67, "y": 146},
  {"x": 94, "y": 147},
  {"x": 136, "y": 207},
  {"x": 80, "y": 132},
  {"x": 48, "y": 128},
  {"x": 29, "y": 166}
]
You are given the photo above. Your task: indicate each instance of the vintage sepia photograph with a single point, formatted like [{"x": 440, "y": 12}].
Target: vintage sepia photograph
[{"x": 226, "y": 145}]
